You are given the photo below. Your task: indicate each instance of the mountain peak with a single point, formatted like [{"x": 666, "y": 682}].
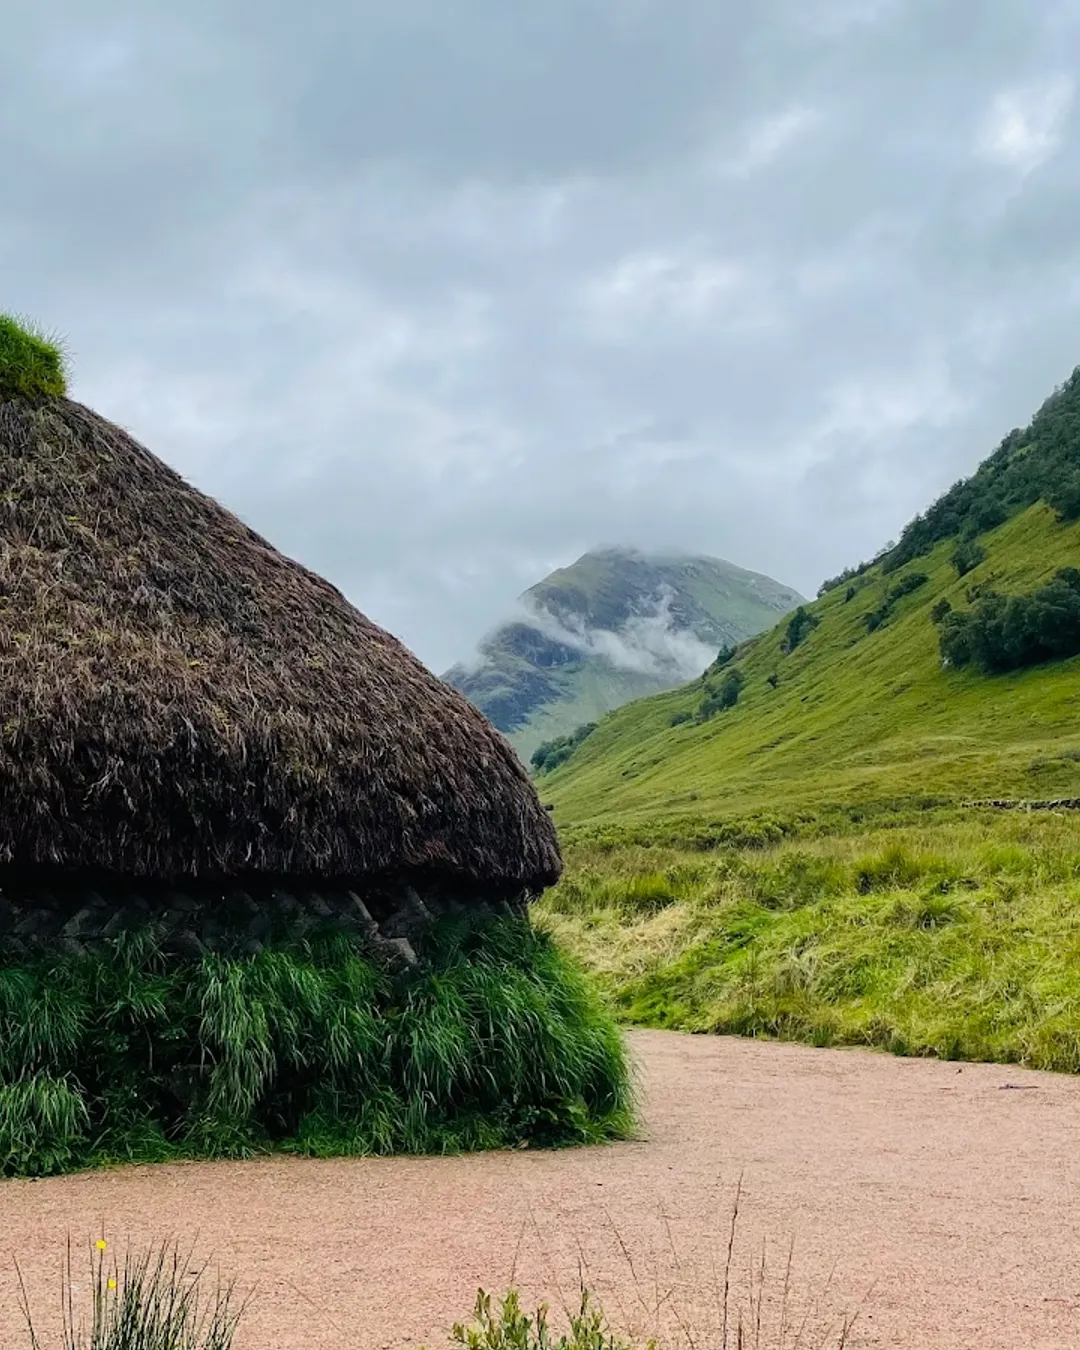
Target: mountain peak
[{"x": 617, "y": 623}]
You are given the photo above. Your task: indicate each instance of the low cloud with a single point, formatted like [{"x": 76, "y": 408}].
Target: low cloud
[{"x": 649, "y": 643}]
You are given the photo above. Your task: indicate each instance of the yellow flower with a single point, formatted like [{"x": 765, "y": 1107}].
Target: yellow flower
[
  {"x": 112, "y": 1284},
  {"x": 101, "y": 1244}
]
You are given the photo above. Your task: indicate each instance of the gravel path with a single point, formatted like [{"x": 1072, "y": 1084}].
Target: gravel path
[{"x": 943, "y": 1200}]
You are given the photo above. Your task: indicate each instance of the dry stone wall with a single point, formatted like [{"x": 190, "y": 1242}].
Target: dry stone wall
[{"x": 63, "y": 913}]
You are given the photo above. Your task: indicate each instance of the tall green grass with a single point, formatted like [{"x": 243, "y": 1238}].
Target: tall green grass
[
  {"x": 126, "y": 1054},
  {"x": 951, "y": 938}
]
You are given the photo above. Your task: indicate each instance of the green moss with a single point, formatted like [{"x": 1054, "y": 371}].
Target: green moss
[
  {"x": 126, "y": 1055},
  {"x": 32, "y": 365}
]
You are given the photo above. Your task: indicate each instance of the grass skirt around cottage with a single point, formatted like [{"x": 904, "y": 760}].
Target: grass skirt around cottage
[{"x": 122, "y": 1052}]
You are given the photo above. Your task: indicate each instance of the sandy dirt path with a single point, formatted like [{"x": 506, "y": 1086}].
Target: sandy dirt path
[{"x": 945, "y": 1201}]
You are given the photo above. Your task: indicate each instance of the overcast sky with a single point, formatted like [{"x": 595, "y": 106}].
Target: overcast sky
[{"x": 437, "y": 294}]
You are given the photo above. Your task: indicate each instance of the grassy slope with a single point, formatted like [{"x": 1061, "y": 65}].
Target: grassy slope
[
  {"x": 594, "y": 689},
  {"x": 857, "y": 717},
  {"x": 855, "y": 901}
]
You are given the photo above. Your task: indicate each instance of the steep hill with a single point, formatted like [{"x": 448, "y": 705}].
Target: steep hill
[
  {"x": 860, "y": 710},
  {"x": 614, "y": 626}
]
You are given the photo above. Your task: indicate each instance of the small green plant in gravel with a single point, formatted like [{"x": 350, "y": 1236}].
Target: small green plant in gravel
[
  {"x": 155, "y": 1300},
  {"x": 508, "y": 1327}
]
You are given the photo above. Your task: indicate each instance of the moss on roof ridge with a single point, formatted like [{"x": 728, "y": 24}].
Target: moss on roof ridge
[{"x": 33, "y": 363}]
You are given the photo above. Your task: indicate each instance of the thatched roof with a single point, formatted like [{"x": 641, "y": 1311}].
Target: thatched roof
[{"x": 178, "y": 698}]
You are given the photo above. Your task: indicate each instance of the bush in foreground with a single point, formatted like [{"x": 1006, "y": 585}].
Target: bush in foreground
[{"x": 124, "y": 1054}]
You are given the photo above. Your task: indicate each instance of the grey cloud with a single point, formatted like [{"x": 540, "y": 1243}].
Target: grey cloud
[{"x": 439, "y": 297}]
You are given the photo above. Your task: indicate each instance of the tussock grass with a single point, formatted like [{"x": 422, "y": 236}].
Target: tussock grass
[
  {"x": 126, "y": 1055},
  {"x": 32, "y": 363},
  {"x": 507, "y": 1326},
  {"x": 154, "y": 1300},
  {"x": 953, "y": 938}
]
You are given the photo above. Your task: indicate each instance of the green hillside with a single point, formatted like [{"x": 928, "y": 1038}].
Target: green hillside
[
  {"x": 616, "y": 625},
  {"x": 811, "y": 860},
  {"x": 863, "y": 711}
]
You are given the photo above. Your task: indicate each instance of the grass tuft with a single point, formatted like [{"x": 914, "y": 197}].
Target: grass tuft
[
  {"x": 157, "y": 1300},
  {"x": 33, "y": 364},
  {"x": 509, "y": 1327}
]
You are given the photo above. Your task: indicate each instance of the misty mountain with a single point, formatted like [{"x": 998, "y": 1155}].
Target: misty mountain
[{"x": 615, "y": 625}]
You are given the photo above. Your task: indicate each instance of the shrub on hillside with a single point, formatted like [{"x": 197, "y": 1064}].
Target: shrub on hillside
[
  {"x": 724, "y": 657},
  {"x": 557, "y": 751},
  {"x": 799, "y": 626},
  {"x": 986, "y": 514},
  {"x": 940, "y": 610},
  {"x": 906, "y": 585},
  {"x": 1009, "y": 632},
  {"x": 1065, "y": 499},
  {"x": 853, "y": 573},
  {"x": 967, "y": 555},
  {"x": 680, "y": 718},
  {"x": 722, "y": 696},
  {"x": 877, "y": 618}
]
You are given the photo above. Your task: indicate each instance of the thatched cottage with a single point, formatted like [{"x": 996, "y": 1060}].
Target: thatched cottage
[{"x": 197, "y": 730}]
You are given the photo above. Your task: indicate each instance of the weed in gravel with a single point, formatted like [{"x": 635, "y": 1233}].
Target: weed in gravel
[{"x": 156, "y": 1300}]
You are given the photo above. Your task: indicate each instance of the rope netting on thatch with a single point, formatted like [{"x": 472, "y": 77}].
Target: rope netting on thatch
[{"x": 179, "y": 699}]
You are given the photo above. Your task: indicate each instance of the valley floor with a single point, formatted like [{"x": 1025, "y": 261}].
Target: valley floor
[
  {"x": 943, "y": 1198},
  {"x": 953, "y": 935}
]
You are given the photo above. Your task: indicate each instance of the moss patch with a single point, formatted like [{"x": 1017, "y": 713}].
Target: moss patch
[{"x": 32, "y": 365}]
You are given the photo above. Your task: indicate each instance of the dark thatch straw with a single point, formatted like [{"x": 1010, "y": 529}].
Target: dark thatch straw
[{"x": 177, "y": 698}]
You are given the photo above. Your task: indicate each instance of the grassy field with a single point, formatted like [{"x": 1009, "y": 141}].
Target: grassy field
[
  {"x": 863, "y": 722},
  {"x": 955, "y": 937}
]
